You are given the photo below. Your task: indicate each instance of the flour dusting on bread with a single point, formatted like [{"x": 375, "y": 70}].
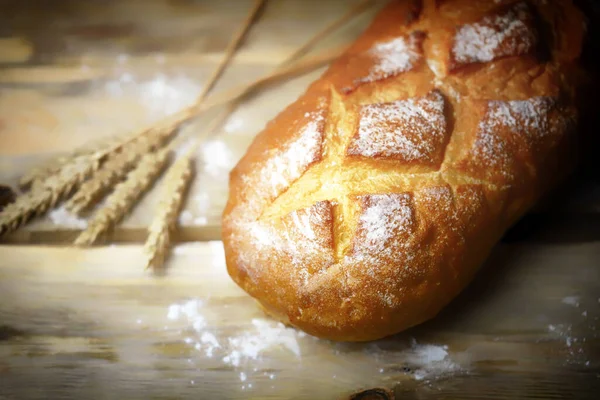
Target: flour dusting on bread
[
  {"x": 289, "y": 163},
  {"x": 304, "y": 236},
  {"x": 507, "y": 34},
  {"x": 384, "y": 217},
  {"x": 394, "y": 57},
  {"x": 526, "y": 118},
  {"x": 422, "y": 167},
  {"x": 529, "y": 116},
  {"x": 411, "y": 129}
]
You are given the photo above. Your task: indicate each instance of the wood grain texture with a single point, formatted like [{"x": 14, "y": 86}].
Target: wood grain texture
[{"x": 93, "y": 323}]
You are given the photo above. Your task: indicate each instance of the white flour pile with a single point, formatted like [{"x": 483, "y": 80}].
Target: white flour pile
[
  {"x": 426, "y": 362},
  {"x": 431, "y": 361},
  {"x": 60, "y": 216}
]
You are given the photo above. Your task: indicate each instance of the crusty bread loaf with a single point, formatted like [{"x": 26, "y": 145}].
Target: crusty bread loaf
[{"x": 370, "y": 202}]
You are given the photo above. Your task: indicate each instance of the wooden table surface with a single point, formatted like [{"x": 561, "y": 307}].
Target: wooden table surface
[{"x": 90, "y": 323}]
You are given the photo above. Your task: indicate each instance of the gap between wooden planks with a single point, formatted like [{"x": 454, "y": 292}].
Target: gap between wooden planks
[{"x": 535, "y": 227}]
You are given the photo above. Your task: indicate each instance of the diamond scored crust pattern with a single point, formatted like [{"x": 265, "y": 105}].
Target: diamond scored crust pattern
[{"x": 380, "y": 169}]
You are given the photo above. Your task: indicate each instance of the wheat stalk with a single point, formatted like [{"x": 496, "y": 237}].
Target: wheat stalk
[
  {"x": 124, "y": 196},
  {"x": 232, "y": 47},
  {"x": 177, "y": 181},
  {"x": 47, "y": 193}
]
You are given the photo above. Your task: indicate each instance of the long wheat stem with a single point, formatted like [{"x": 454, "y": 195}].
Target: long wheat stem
[
  {"x": 240, "y": 91},
  {"x": 232, "y": 47},
  {"x": 347, "y": 16}
]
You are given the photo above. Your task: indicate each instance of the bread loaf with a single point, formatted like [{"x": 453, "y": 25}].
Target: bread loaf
[{"x": 368, "y": 204}]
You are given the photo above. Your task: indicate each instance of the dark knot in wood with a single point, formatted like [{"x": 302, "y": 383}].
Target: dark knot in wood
[{"x": 373, "y": 394}]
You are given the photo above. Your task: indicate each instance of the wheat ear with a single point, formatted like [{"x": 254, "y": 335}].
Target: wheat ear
[
  {"x": 116, "y": 167},
  {"x": 47, "y": 193},
  {"x": 126, "y": 193},
  {"x": 177, "y": 181},
  {"x": 38, "y": 174}
]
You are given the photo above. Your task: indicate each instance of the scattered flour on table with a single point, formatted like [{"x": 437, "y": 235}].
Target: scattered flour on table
[
  {"x": 428, "y": 361},
  {"x": 168, "y": 94},
  {"x": 237, "y": 349},
  {"x": 201, "y": 204},
  {"x": 217, "y": 157},
  {"x": 161, "y": 95},
  {"x": 234, "y": 124},
  {"x": 572, "y": 332},
  {"x": 216, "y": 160},
  {"x": 571, "y": 300},
  {"x": 186, "y": 217}
]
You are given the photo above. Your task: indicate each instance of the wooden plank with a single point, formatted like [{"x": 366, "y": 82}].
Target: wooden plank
[{"x": 91, "y": 323}]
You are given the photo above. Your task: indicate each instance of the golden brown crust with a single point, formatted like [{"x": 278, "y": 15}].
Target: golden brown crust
[{"x": 368, "y": 204}]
